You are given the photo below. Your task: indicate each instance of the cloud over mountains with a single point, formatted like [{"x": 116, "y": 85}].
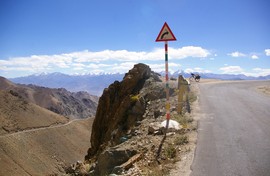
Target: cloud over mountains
[
  {"x": 189, "y": 58},
  {"x": 99, "y": 61}
]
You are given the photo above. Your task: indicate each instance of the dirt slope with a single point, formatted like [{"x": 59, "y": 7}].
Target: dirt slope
[
  {"x": 44, "y": 151},
  {"x": 16, "y": 114},
  {"x": 60, "y": 101},
  {"x": 34, "y": 140}
]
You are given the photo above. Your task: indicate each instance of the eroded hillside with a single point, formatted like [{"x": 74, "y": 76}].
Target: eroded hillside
[
  {"x": 60, "y": 101},
  {"x": 35, "y": 140},
  {"x": 16, "y": 114},
  {"x": 44, "y": 151}
]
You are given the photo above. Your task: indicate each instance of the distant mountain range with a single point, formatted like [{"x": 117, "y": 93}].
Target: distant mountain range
[
  {"x": 233, "y": 77},
  {"x": 95, "y": 84},
  {"x": 219, "y": 76},
  {"x": 69, "y": 104}
]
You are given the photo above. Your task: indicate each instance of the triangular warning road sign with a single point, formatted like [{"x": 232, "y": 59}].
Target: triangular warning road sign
[{"x": 165, "y": 34}]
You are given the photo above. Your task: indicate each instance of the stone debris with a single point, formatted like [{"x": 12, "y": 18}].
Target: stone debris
[{"x": 127, "y": 165}]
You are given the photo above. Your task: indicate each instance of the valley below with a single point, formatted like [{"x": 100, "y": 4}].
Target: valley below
[{"x": 44, "y": 151}]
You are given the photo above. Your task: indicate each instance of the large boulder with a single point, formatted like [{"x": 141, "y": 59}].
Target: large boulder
[{"x": 109, "y": 160}]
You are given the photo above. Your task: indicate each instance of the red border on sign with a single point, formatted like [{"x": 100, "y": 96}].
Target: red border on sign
[{"x": 163, "y": 40}]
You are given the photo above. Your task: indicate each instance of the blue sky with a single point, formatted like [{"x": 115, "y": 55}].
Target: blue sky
[{"x": 93, "y": 36}]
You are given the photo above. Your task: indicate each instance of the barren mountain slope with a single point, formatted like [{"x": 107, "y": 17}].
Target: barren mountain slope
[
  {"x": 16, "y": 114},
  {"x": 44, "y": 151},
  {"x": 34, "y": 140},
  {"x": 60, "y": 101}
]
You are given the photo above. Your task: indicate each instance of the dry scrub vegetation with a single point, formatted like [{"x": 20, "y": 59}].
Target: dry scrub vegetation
[{"x": 264, "y": 89}]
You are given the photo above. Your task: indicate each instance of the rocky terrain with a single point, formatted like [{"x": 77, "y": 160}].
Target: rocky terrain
[
  {"x": 60, "y": 101},
  {"x": 127, "y": 133}
]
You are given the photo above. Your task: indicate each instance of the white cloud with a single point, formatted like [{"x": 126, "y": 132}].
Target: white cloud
[
  {"x": 267, "y": 52},
  {"x": 78, "y": 68},
  {"x": 123, "y": 67},
  {"x": 157, "y": 67},
  {"x": 254, "y": 56},
  {"x": 188, "y": 51},
  {"x": 106, "y": 60},
  {"x": 161, "y": 67},
  {"x": 261, "y": 71},
  {"x": 124, "y": 55},
  {"x": 197, "y": 69},
  {"x": 236, "y": 54},
  {"x": 231, "y": 70},
  {"x": 255, "y": 72}
]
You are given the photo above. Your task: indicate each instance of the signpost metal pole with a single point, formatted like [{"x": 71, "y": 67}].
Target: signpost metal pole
[
  {"x": 166, "y": 35},
  {"x": 167, "y": 87}
]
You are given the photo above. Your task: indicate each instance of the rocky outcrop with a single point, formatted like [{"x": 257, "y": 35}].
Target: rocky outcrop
[
  {"x": 129, "y": 126},
  {"x": 122, "y": 106}
]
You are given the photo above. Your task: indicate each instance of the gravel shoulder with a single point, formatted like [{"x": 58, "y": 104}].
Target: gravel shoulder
[{"x": 183, "y": 167}]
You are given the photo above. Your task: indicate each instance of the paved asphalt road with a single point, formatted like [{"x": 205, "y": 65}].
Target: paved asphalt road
[{"x": 234, "y": 130}]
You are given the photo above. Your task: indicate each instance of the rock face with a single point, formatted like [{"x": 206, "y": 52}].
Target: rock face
[
  {"x": 121, "y": 106},
  {"x": 127, "y": 130},
  {"x": 111, "y": 158}
]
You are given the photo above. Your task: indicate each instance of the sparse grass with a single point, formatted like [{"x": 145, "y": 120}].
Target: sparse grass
[
  {"x": 155, "y": 171},
  {"x": 192, "y": 96},
  {"x": 134, "y": 98},
  {"x": 181, "y": 140},
  {"x": 188, "y": 149},
  {"x": 170, "y": 151},
  {"x": 183, "y": 120},
  {"x": 87, "y": 167}
]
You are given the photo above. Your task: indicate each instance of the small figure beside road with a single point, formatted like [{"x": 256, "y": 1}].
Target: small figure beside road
[{"x": 195, "y": 77}]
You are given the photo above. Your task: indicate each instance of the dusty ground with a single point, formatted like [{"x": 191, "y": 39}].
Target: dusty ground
[
  {"x": 44, "y": 151},
  {"x": 264, "y": 89},
  {"x": 182, "y": 167}
]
